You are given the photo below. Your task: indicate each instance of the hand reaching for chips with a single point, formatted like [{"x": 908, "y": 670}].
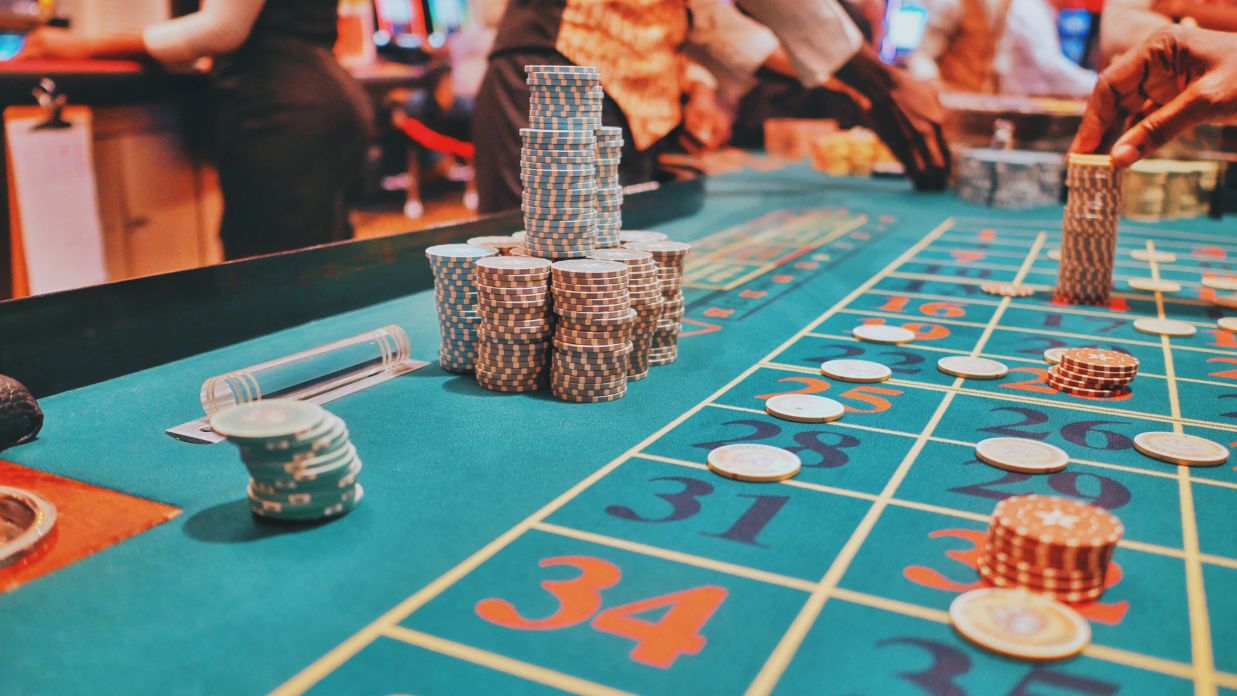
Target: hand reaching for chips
[{"x": 1177, "y": 78}]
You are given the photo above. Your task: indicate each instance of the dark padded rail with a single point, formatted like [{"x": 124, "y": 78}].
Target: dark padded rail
[{"x": 70, "y": 339}]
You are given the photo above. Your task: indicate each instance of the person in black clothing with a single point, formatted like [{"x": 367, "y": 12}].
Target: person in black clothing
[{"x": 291, "y": 125}]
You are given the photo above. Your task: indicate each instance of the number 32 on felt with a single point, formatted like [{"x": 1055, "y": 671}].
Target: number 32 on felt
[{"x": 658, "y": 643}]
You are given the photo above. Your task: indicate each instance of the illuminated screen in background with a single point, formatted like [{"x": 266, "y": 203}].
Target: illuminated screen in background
[
  {"x": 447, "y": 16},
  {"x": 1074, "y": 28},
  {"x": 10, "y": 44},
  {"x": 904, "y": 26},
  {"x": 399, "y": 22}
]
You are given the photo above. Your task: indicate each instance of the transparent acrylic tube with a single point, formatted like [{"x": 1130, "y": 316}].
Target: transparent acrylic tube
[{"x": 310, "y": 373}]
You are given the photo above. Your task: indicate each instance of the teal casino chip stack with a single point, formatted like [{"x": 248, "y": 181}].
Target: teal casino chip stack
[
  {"x": 670, "y": 257},
  {"x": 456, "y": 298},
  {"x": 558, "y": 161},
  {"x": 592, "y": 341},
  {"x": 302, "y": 465}
]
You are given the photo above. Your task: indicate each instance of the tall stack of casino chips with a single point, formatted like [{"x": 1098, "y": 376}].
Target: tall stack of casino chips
[
  {"x": 301, "y": 463},
  {"x": 1050, "y": 545},
  {"x": 513, "y": 339},
  {"x": 609, "y": 190},
  {"x": 558, "y": 161},
  {"x": 644, "y": 289},
  {"x": 1089, "y": 230},
  {"x": 456, "y": 298},
  {"x": 1092, "y": 372},
  {"x": 1008, "y": 178},
  {"x": 592, "y": 341},
  {"x": 669, "y": 257}
]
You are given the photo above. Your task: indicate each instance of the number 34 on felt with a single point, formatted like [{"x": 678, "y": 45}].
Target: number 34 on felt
[{"x": 658, "y": 643}]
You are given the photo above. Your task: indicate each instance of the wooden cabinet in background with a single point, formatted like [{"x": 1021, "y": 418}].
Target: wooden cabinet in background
[{"x": 159, "y": 202}]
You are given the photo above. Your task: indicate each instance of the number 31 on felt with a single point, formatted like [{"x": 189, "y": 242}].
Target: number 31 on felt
[{"x": 658, "y": 643}]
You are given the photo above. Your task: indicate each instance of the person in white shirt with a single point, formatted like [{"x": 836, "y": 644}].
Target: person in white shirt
[
  {"x": 997, "y": 46},
  {"x": 291, "y": 125}
]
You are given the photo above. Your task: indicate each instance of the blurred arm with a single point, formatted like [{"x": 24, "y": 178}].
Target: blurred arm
[{"x": 221, "y": 26}]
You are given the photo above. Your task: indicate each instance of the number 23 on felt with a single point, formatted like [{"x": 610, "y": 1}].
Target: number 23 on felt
[{"x": 658, "y": 643}]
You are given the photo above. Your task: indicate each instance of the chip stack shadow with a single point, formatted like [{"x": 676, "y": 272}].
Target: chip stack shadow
[{"x": 1089, "y": 230}]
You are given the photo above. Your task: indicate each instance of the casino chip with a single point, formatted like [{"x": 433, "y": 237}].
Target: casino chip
[
  {"x": 1091, "y": 372},
  {"x": 971, "y": 367},
  {"x": 456, "y": 299},
  {"x": 1052, "y": 356},
  {"x": 1019, "y": 624},
  {"x": 804, "y": 408},
  {"x": 25, "y": 520},
  {"x": 1021, "y": 455},
  {"x": 644, "y": 292},
  {"x": 1088, "y": 230},
  {"x": 1156, "y": 256},
  {"x": 301, "y": 463},
  {"x": 1054, "y": 254},
  {"x": 1181, "y": 449},
  {"x": 753, "y": 462},
  {"x": 1154, "y": 285},
  {"x": 513, "y": 337},
  {"x": 1164, "y": 327},
  {"x": 863, "y": 371},
  {"x": 670, "y": 257},
  {"x": 1227, "y": 323},
  {"x": 592, "y": 343},
  {"x": 1007, "y": 289},
  {"x": 881, "y": 333},
  {"x": 1220, "y": 282}
]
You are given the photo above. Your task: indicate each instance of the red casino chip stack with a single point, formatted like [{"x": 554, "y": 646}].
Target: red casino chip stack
[
  {"x": 593, "y": 339},
  {"x": 1089, "y": 230},
  {"x": 513, "y": 338},
  {"x": 1093, "y": 372},
  {"x": 1054, "y": 546},
  {"x": 644, "y": 289},
  {"x": 669, "y": 257}
]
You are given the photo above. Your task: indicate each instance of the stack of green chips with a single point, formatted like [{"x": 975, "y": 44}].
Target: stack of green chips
[{"x": 301, "y": 463}]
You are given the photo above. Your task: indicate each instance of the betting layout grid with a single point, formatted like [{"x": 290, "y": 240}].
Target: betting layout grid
[{"x": 918, "y": 483}]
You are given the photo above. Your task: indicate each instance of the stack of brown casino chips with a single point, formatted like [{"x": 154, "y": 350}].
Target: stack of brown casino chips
[
  {"x": 1091, "y": 372},
  {"x": 644, "y": 289},
  {"x": 1050, "y": 545},
  {"x": 513, "y": 338},
  {"x": 592, "y": 341},
  {"x": 669, "y": 257},
  {"x": 1089, "y": 230}
]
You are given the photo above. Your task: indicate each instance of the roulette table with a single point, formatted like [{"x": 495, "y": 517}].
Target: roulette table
[{"x": 515, "y": 543}]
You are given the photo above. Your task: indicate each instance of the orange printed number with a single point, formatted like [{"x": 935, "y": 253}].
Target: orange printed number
[
  {"x": 1224, "y": 374},
  {"x": 1038, "y": 385},
  {"x": 811, "y": 385},
  {"x": 923, "y": 332},
  {"x": 659, "y": 643},
  {"x": 578, "y": 598},
  {"x": 872, "y": 396}
]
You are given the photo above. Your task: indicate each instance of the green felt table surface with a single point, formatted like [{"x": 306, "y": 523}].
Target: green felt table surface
[{"x": 213, "y": 602}]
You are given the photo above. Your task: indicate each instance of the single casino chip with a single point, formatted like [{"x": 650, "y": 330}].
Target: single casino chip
[
  {"x": 1179, "y": 448},
  {"x": 1054, "y": 254},
  {"x": 863, "y": 371},
  {"x": 752, "y": 462},
  {"x": 1227, "y": 323},
  {"x": 1052, "y": 356},
  {"x": 1154, "y": 285},
  {"x": 268, "y": 419},
  {"x": 1098, "y": 361},
  {"x": 1156, "y": 256},
  {"x": 1019, "y": 624},
  {"x": 1164, "y": 327},
  {"x": 1007, "y": 289},
  {"x": 972, "y": 368},
  {"x": 1021, "y": 455},
  {"x": 804, "y": 408},
  {"x": 1220, "y": 282},
  {"x": 881, "y": 333},
  {"x": 1050, "y": 522}
]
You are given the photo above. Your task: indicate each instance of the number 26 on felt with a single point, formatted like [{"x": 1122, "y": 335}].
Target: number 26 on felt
[{"x": 658, "y": 643}]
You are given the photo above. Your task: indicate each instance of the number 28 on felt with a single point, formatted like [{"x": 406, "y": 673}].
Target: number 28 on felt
[{"x": 658, "y": 643}]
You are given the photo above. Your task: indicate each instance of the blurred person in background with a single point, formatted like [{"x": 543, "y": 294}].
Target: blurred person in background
[
  {"x": 291, "y": 126},
  {"x": 997, "y": 47}
]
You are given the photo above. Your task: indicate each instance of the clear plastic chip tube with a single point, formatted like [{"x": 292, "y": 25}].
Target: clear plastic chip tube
[{"x": 310, "y": 373}]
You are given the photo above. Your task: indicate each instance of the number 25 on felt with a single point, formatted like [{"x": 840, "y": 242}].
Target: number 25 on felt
[
  {"x": 658, "y": 643},
  {"x": 874, "y": 399}
]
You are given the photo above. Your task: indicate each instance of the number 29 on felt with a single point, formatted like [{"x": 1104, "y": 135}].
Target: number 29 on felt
[{"x": 658, "y": 643}]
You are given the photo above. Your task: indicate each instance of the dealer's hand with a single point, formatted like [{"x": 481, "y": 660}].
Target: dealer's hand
[{"x": 1177, "y": 78}]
